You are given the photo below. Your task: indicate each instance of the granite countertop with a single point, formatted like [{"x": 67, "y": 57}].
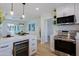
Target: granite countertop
[
  {"x": 64, "y": 38},
  {"x": 70, "y": 40},
  {"x": 4, "y": 40}
]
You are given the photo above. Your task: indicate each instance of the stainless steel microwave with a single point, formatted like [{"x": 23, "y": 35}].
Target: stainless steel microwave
[{"x": 66, "y": 19}]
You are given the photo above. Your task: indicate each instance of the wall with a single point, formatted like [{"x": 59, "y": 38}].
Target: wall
[
  {"x": 37, "y": 23},
  {"x": 44, "y": 28},
  {"x": 4, "y": 30}
]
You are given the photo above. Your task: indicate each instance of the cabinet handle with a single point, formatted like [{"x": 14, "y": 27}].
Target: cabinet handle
[
  {"x": 4, "y": 46},
  {"x": 33, "y": 50}
]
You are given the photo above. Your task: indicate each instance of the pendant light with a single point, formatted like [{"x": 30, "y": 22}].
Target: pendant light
[
  {"x": 11, "y": 11},
  {"x": 23, "y": 16}
]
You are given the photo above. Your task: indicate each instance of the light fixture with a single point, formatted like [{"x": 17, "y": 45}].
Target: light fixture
[
  {"x": 23, "y": 16},
  {"x": 37, "y": 9},
  {"x": 11, "y": 11}
]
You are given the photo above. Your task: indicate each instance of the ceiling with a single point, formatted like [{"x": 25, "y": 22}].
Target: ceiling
[{"x": 30, "y": 8}]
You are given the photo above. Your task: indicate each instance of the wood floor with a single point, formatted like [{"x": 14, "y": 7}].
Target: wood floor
[{"x": 43, "y": 50}]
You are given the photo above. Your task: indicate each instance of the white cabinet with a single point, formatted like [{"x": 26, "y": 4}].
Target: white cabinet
[
  {"x": 77, "y": 44},
  {"x": 65, "y": 11},
  {"x": 77, "y": 12},
  {"x": 52, "y": 43},
  {"x": 32, "y": 44},
  {"x": 77, "y": 47},
  {"x": 6, "y": 49},
  {"x": 59, "y": 12}
]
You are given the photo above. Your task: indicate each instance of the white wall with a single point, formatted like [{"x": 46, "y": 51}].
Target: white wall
[
  {"x": 44, "y": 28},
  {"x": 37, "y": 23},
  {"x": 4, "y": 30}
]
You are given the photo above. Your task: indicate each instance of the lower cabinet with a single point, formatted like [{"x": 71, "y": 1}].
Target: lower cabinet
[
  {"x": 6, "y": 49},
  {"x": 32, "y": 46},
  {"x": 19, "y": 46},
  {"x": 25, "y": 47}
]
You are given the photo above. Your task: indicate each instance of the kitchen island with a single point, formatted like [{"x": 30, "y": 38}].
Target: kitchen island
[{"x": 6, "y": 44}]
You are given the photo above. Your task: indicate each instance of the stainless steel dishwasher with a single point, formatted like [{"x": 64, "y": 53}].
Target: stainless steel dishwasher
[{"x": 21, "y": 48}]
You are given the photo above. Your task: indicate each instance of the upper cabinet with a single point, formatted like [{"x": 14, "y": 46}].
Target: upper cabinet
[
  {"x": 77, "y": 12},
  {"x": 65, "y": 10},
  {"x": 72, "y": 9}
]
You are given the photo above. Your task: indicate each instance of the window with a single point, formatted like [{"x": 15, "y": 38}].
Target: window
[
  {"x": 14, "y": 28},
  {"x": 31, "y": 27}
]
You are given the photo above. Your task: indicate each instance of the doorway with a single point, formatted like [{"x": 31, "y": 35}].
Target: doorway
[{"x": 46, "y": 32}]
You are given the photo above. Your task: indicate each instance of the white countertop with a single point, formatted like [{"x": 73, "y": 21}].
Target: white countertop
[{"x": 13, "y": 39}]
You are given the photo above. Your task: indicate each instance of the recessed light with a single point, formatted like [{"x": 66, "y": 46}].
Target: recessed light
[{"x": 37, "y": 9}]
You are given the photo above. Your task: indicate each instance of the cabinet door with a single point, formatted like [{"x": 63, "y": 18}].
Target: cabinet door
[
  {"x": 65, "y": 11},
  {"x": 52, "y": 43},
  {"x": 59, "y": 12},
  {"x": 32, "y": 44},
  {"x": 6, "y": 49},
  {"x": 77, "y": 12},
  {"x": 77, "y": 47},
  {"x": 68, "y": 10}
]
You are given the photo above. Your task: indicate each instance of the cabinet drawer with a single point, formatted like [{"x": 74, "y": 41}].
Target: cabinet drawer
[
  {"x": 6, "y": 53},
  {"x": 6, "y": 50},
  {"x": 5, "y": 47}
]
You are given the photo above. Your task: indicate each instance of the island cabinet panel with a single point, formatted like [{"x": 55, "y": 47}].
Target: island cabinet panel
[
  {"x": 6, "y": 49},
  {"x": 32, "y": 45}
]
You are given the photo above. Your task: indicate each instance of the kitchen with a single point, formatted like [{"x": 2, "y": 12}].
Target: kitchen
[
  {"x": 44, "y": 24},
  {"x": 14, "y": 40}
]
